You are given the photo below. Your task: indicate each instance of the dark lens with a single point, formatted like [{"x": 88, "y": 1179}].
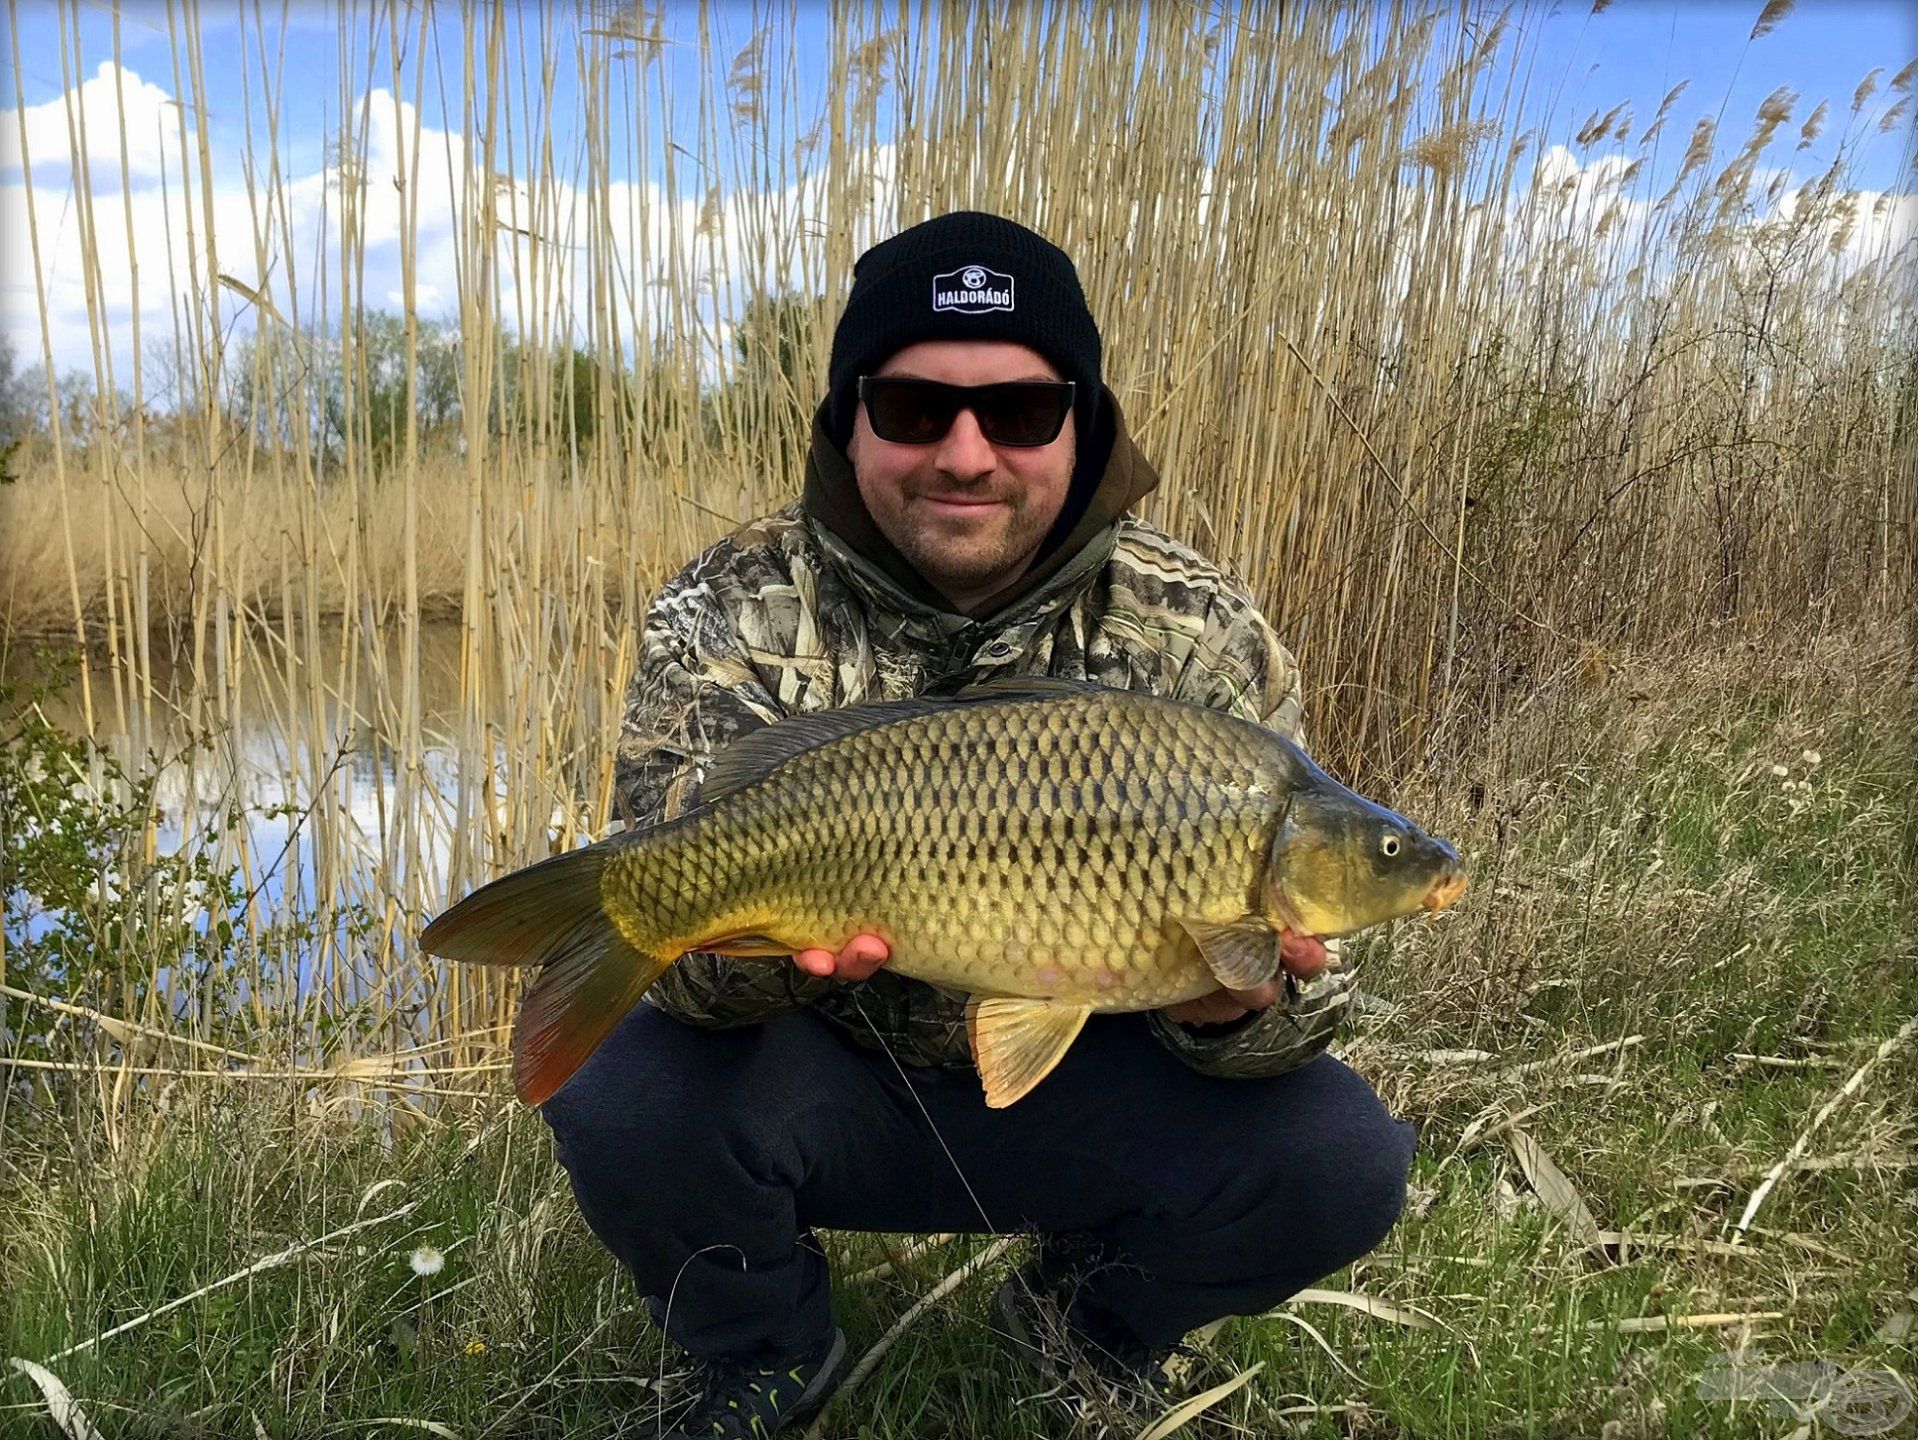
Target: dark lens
[
  {"x": 1023, "y": 412},
  {"x": 919, "y": 412},
  {"x": 909, "y": 412}
]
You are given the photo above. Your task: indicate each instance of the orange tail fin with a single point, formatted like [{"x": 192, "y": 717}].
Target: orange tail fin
[{"x": 551, "y": 915}]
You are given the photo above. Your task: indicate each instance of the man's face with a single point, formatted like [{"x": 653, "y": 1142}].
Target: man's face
[{"x": 968, "y": 514}]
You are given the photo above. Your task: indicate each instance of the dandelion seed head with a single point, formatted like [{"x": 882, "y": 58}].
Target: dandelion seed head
[
  {"x": 427, "y": 1261},
  {"x": 1811, "y": 758},
  {"x": 1780, "y": 771}
]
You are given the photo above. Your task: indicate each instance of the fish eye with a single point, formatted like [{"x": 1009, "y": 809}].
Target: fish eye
[{"x": 1389, "y": 846}]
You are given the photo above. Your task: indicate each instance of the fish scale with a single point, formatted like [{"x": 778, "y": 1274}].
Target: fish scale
[
  {"x": 1052, "y": 848},
  {"x": 868, "y": 834}
]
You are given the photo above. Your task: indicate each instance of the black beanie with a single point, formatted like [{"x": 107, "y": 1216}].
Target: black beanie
[{"x": 964, "y": 276}]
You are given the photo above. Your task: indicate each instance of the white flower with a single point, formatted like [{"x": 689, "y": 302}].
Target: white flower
[
  {"x": 1811, "y": 758},
  {"x": 427, "y": 1261},
  {"x": 1780, "y": 771}
]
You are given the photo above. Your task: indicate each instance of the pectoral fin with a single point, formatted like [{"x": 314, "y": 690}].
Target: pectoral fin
[
  {"x": 1015, "y": 1043},
  {"x": 1243, "y": 955}
]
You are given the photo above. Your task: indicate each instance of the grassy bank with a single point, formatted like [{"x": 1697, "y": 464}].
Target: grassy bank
[{"x": 1678, "y": 968}]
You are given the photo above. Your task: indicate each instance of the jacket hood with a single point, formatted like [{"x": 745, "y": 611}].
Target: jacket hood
[{"x": 1111, "y": 477}]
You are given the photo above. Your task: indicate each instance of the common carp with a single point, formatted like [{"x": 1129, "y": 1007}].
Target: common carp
[{"x": 1052, "y": 847}]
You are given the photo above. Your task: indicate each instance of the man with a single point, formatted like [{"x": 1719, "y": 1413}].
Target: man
[{"x": 1179, "y": 1166}]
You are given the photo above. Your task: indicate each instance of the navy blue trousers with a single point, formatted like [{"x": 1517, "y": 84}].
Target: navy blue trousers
[{"x": 704, "y": 1158}]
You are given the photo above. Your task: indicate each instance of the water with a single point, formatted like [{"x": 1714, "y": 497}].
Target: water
[{"x": 308, "y": 793}]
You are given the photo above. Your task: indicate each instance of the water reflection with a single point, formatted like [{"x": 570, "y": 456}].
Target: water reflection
[{"x": 300, "y": 781}]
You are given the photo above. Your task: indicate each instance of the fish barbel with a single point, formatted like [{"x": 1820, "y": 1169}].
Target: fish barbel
[{"x": 1052, "y": 847}]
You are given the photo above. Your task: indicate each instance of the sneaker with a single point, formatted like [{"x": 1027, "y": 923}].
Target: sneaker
[
  {"x": 756, "y": 1401},
  {"x": 1067, "y": 1347}
]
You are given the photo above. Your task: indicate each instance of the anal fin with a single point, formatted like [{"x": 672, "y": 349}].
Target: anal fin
[
  {"x": 744, "y": 944},
  {"x": 1016, "y": 1043}
]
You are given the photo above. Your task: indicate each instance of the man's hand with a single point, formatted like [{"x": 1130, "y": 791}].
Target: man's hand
[
  {"x": 857, "y": 959},
  {"x": 1299, "y": 955}
]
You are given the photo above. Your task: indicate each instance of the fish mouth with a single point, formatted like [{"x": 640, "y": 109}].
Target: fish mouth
[{"x": 1444, "y": 891}]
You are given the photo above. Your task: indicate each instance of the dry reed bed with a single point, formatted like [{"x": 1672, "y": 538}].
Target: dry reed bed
[{"x": 1455, "y": 418}]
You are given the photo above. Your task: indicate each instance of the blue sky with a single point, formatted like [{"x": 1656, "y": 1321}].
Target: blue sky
[
  {"x": 1638, "y": 49},
  {"x": 314, "y": 47},
  {"x": 1632, "y": 53}
]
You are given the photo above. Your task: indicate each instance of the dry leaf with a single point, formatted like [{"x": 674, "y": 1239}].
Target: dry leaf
[
  {"x": 1653, "y": 1324},
  {"x": 1555, "y": 1191},
  {"x": 61, "y": 1405},
  {"x": 1367, "y": 1305},
  {"x": 1632, "y": 1240},
  {"x": 1190, "y": 1409},
  {"x": 256, "y": 298}
]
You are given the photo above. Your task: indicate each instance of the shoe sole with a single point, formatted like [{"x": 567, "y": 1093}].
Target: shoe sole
[{"x": 816, "y": 1396}]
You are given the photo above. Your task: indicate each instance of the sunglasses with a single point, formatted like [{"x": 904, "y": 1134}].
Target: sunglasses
[{"x": 919, "y": 412}]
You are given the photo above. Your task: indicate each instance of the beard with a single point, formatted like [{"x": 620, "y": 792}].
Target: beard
[
  {"x": 970, "y": 555},
  {"x": 966, "y": 557}
]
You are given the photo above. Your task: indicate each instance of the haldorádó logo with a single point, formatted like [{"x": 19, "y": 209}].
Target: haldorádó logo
[{"x": 972, "y": 290}]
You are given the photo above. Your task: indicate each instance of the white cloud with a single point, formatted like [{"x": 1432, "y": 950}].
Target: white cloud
[
  {"x": 548, "y": 239},
  {"x": 113, "y": 104},
  {"x": 558, "y": 241},
  {"x": 1584, "y": 215},
  {"x": 1860, "y": 225}
]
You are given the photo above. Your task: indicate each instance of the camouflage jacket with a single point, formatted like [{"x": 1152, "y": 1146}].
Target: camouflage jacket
[{"x": 783, "y": 616}]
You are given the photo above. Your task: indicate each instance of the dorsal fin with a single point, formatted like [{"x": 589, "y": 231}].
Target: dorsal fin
[
  {"x": 1025, "y": 687},
  {"x": 757, "y": 753}
]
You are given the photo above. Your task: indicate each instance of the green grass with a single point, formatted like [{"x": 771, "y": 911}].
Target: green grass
[{"x": 1640, "y": 872}]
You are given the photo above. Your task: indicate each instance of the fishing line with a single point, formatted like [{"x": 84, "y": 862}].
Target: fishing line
[
  {"x": 666, "y": 1314},
  {"x": 931, "y": 1125}
]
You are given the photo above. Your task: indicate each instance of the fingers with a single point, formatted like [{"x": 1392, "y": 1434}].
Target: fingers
[
  {"x": 818, "y": 963},
  {"x": 856, "y": 960},
  {"x": 1257, "y": 998},
  {"x": 1218, "y": 1008},
  {"x": 1222, "y": 1007},
  {"x": 1302, "y": 955},
  {"x": 862, "y": 955}
]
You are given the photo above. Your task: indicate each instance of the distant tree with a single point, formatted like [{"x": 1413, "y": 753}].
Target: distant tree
[
  {"x": 366, "y": 392},
  {"x": 347, "y": 395},
  {"x": 569, "y": 397},
  {"x": 13, "y": 413},
  {"x": 774, "y": 340},
  {"x": 16, "y": 405},
  {"x": 774, "y": 386}
]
